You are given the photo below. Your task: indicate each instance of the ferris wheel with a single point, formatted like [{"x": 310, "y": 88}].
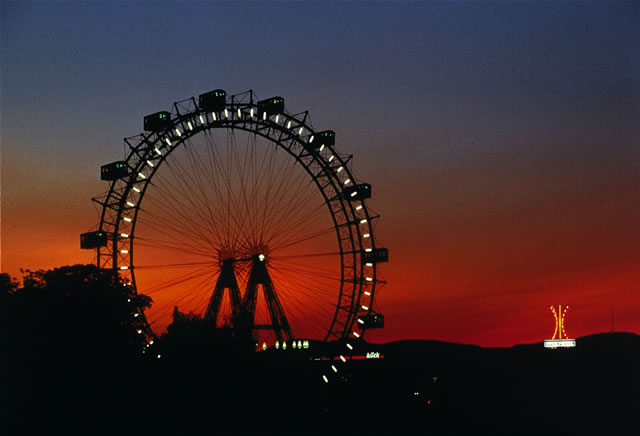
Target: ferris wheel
[{"x": 230, "y": 208}]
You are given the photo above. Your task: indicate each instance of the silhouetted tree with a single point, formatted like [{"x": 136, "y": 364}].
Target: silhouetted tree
[
  {"x": 72, "y": 340},
  {"x": 79, "y": 307}
]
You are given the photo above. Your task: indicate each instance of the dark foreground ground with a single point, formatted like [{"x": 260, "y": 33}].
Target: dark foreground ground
[{"x": 418, "y": 387}]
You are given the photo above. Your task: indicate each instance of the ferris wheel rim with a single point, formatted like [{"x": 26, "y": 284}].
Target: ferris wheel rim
[{"x": 149, "y": 147}]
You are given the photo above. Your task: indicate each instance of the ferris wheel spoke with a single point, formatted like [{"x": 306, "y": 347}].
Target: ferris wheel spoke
[
  {"x": 309, "y": 275},
  {"x": 288, "y": 243},
  {"x": 301, "y": 232},
  {"x": 241, "y": 164},
  {"x": 161, "y": 245},
  {"x": 301, "y": 312},
  {"x": 181, "y": 279},
  {"x": 231, "y": 208},
  {"x": 213, "y": 169},
  {"x": 187, "y": 297},
  {"x": 172, "y": 265},
  {"x": 206, "y": 182},
  {"x": 297, "y": 256},
  {"x": 283, "y": 199},
  {"x": 291, "y": 208},
  {"x": 172, "y": 230},
  {"x": 194, "y": 202},
  {"x": 275, "y": 171},
  {"x": 178, "y": 212}
]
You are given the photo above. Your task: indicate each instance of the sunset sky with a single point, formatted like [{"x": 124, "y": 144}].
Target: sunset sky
[{"x": 502, "y": 139}]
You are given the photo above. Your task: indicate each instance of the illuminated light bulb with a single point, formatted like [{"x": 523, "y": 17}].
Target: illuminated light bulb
[
  {"x": 356, "y": 334},
  {"x": 213, "y": 115},
  {"x": 158, "y": 356},
  {"x": 368, "y": 250},
  {"x": 142, "y": 176},
  {"x": 354, "y": 193},
  {"x": 366, "y": 235},
  {"x": 135, "y": 315},
  {"x": 127, "y": 219},
  {"x": 201, "y": 119},
  {"x": 289, "y": 124},
  {"x": 365, "y": 307},
  {"x": 139, "y": 331},
  {"x": 264, "y": 116},
  {"x": 368, "y": 264},
  {"x": 363, "y": 221},
  {"x": 311, "y": 139},
  {"x": 349, "y": 346},
  {"x": 239, "y": 113},
  {"x": 277, "y": 118},
  {"x": 339, "y": 169},
  {"x": 158, "y": 152},
  {"x": 359, "y": 207},
  {"x": 124, "y": 267},
  {"x": 300, "y": 131},
  {"x": 333, "y": 367},
  {"x": 226, "y": 113},
  {"x": 128, "y": 300},
  {"x": 261, "y": 257},
  {"x": 367, "y": 293},
  {"x": 324, "y": 377},
  {"x": 151, "y": 342},
  {"x": 331, "y": 158},
  {"x": 150, "y": 163},
  {"x": 360, "y": 321},
  {"x": 124, "y": 251},
  {"x": 168, "y": 141},
  {"x": 369, "y": 279},
  {"x": 178, "y": 132},
  {"x": 322, "y": 147},
  {"x": 346, "y": 182},
  {"x": 189, "y": 125},
  {"x": 343, "y": 359},
  {"x": 136, "y": 189},
  {"x": 124, "y": 235},
  {"x": 251, "y": 112}
]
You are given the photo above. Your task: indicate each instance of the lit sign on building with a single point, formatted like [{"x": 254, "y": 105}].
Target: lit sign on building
[
  {"x": 550, "y": 343},
  {"x": 560, "y": 338}
]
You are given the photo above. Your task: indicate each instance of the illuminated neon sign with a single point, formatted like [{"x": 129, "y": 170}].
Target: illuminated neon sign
[{"x": 560, "y": 338}]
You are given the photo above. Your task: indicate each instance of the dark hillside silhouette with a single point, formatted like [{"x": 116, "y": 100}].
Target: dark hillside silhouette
[{"x": 76, "y": 367}]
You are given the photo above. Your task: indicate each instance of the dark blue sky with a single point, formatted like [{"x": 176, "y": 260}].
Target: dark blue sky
[{"x": 467, "y": 117}]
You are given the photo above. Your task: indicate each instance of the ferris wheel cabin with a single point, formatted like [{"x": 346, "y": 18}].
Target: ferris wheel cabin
[
  {"x": 326, "y": 137},
  {"x": 373, "y": 321},
  {"x": 358, "y": 192},
  {"x": 91, "y": 240},
  {"x": 271, "y": 106},
  {"x": 157, "y": 122},
  {"x": 114, "y": 171},
  {"x": 213, "y": 101},
  {"x": 377, "y": 255}
]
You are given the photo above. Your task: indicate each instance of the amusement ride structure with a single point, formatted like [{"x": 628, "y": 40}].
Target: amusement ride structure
[{"x": 233, "y": 209}]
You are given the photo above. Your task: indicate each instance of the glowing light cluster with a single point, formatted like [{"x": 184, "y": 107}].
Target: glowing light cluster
[{"x": 560, "y": 338}]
